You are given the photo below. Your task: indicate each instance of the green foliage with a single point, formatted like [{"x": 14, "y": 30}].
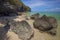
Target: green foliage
[
  {"x": 28, "y": 8},
  {"x": 19, "y": 3}
]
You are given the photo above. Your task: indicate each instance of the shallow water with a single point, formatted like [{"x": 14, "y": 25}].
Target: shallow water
[{"x": 53, "y": 14}]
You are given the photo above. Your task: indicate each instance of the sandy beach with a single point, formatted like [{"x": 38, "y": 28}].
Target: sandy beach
[{"x": 37, "y": 34}]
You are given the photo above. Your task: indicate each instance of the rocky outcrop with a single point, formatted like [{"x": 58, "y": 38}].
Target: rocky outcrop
[
  {"x": 12, "y": 7},
  {"x": 35, "y": 16},
  {"x": 22, "y": 29},
  {"x": 6, "y": 9},
  {"x": 47, "y": 24}
]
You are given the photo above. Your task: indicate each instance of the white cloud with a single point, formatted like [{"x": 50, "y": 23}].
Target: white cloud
[
  {"x": 53, "y": 9},
  {"x": 37, "y": 4}
]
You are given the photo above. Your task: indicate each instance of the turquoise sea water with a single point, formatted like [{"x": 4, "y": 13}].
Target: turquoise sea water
[{"x": 53, "y": 14}]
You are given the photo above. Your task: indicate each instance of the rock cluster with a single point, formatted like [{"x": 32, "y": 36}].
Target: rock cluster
[
  {"x": 24, "y": 30},
  {"x": 46, "y": 24}
]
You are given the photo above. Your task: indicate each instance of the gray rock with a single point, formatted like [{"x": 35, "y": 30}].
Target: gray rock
[
  {"x": 35, "y": 16},
  {"x": 42, "y": 25},
  {"x": 53, "y": 23},
  {"x": 51, "y": 20},
  {"x": 52, "y": 31},
  {"x": 44, "y": 17},
  {"x": 23, "y": 29},
  {"x": 47, "y": 24}
]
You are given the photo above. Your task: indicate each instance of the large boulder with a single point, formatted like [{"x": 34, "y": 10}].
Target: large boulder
[
  {"x": 42, "y": 25},
  {"x": 51, "y": 20},
  {"x": 23, "y": 29},
  {"x": 45, "y": 23}
]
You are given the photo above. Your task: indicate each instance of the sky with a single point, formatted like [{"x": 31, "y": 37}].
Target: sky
[{"x": 43, "y": 5}]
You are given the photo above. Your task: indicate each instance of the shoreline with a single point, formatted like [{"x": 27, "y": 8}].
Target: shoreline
[{"x": 37, "y": 35}]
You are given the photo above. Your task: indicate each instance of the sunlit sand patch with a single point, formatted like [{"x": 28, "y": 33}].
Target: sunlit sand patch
[
  {"x": 20, "y": 18},
  {"x": 2, "y": 25},
  {"x": 12, "y": 36}
]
